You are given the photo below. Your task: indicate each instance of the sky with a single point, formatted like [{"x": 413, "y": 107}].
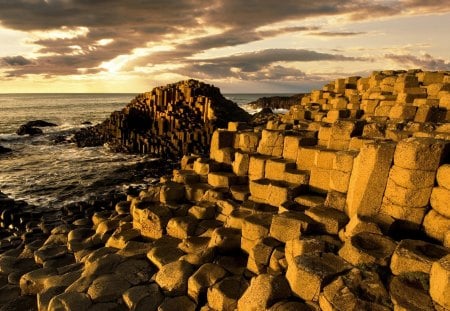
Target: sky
[{"x": 251, "y": 46}]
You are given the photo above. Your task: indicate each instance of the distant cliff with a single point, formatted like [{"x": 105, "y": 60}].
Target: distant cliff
[
  {"x": 277, "y": 102},
  {"x": 169, "y": 121}
]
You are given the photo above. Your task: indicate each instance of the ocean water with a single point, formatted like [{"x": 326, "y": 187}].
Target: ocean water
[{"x": 49, "y": 174}]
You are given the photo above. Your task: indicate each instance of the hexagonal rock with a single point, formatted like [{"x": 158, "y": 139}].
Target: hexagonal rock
[
  {"x": 271, "y": 143},
  {"x": 306, "y": 245},
  {"x": 150, "y": 218},
  {"x": 173, "y": 277},
  {"x": 107, "y": 287},
  {"x": 360, "y": 224},
  {"x": 440, "y": 282},
  {"x": 206, "y": 276},
  {"x": 70, "y": 301},
  {"x": 355, "y": 290},
  {"x": 369, "y": 177},
  {"x": 286, "y": 305},
  {"x": 171, "y": 192},
  {"x": 121, "y": 236},
  {"x": 419, "y": 153},
  {"x": 181, "y": 227},
  {"x": 308, "y": 273},
  {"x": 143, "y": 297},
  {"x": 47, "y": 252},
  {"x": 224, "y": 295},
  {"x": 368, "y": 248},
  {"x": 33, "y": 282},
  {"x": 416, "y": 256},
  {"x": 443, "y": 176},
  {"x": 174, "y": 304},
  {"x": 436, "y": 225},
  {"x": 330, "y": 220},
  {"x": 256, "y": 226},
  {"x": 289, "y": 225},
  {"x": 225, "y": 240},
  {"x": 412, "y": 179},
  {"x": 410, "y": 197},
  {"x": 407, "y": 294},
  {"x": 135, "y": 271},
  {"x": 263, "y": 292},
  {"x": 162, "y": 255},
  {"x": 440, "y": 200}
]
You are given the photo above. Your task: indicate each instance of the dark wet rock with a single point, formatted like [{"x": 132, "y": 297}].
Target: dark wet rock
[
  {"x": 277, "y": 102},
  {"x": 4, "y": 150},
  {"x": 28, "y": 130},
  {"x": 32, "y": 127},
  {"x": 40, "y": 123},
  {"x": 86, "y": 123}
]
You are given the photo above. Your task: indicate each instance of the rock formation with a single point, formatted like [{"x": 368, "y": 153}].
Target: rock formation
[
  {"x": 342, "y": 205},
  {"x": 277, "y": 102},
  {"x": 168, "y": 121},
  {"x": 33, "y": 127}
]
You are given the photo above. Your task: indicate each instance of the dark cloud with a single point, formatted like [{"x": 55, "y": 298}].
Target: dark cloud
[
  {"x": 260, "y": 65},
  {"x": 337, "y": 33},
  {"x": 426, "y": 62},
  {"x": 137, "y": 23},
  {"x": 14, "y": 61}
]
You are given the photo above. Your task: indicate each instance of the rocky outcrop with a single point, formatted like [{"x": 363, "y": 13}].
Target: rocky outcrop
[
  {"x": 33, "y": 127},
  {"x": 169, "y": 121},
  {"x": 277, "y": 102}
]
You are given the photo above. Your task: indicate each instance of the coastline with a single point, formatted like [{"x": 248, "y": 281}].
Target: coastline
[{"x": 340, "y": 194}]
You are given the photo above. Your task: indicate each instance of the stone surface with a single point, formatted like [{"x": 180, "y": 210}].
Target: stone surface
[
  {"x": 355, "y": 290},
  {"x": 368, "y": 248},
  {"x": 416, "y": 256},
  {"x": 308, "y": 273},
  {"x": 369, "y": 178},
  {"x": 173, "y": 277},
  {"x": 419, "y": 153},
  {"x": 440, "y": 281},
  {"x": 263, "y": 292}
]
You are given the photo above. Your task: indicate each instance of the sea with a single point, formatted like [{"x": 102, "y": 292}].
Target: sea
[{"x": 48, "y": 170}]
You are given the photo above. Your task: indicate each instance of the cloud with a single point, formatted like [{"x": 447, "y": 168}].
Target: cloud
[
  {"x": 14, "y": 61},
  {"x": 337, "y": 33},
  {"x": 426, "y": 62},
  {"x": 259, "y": 65},
  {"x": 79, "y": 25}
]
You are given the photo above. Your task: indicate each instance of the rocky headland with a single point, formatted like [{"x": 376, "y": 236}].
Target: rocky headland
[
  {"x": 167, "y": 122},
  {"x": 277, "y": 102},
  {"x": 343, "y": 203}
]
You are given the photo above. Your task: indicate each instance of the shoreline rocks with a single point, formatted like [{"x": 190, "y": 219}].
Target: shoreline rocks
[
  {"x": 338, "y": 205},
  {"x": 32, "y": 128},
  {"x": 277, "y": 102}
]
